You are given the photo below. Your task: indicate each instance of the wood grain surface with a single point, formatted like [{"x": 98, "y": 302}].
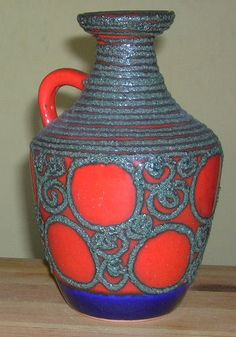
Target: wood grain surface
[{"x": 31, "y": 305}]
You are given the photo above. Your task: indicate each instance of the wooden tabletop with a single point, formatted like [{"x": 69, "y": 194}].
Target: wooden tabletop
[{"x": 31, "y": 305}]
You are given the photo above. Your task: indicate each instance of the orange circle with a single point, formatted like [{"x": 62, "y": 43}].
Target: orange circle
[
  {"x": 163, "y": 260},
  {"x": 207, "y": 187},
  {"x": 71, "y": 253},
  {"x": 104, "y": 194}
]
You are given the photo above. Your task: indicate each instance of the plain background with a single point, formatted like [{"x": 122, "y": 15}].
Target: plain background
[{"x": 197, "y": 57}]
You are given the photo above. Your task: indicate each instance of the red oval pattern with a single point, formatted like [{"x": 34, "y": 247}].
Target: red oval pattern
[
  {"x": 71, "y": 253},
  {"x": 207, "y": 187},
  {"x": 163, "y": 260},
  {"x": 104, "y": 194}
]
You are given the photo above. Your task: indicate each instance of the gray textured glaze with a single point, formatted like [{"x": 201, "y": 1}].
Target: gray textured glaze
[
  {"x": 125, "y": 104},
  {"x": 56, "y": 197},
  {"x": 125, "y": 116}
]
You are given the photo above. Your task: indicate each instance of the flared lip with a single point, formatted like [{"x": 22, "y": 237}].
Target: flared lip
[
  {"x": 121, "y": 13},
  {"x": 133, "y": 21}
]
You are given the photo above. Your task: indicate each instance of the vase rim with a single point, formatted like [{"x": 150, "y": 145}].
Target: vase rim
[
  {"x": 143, "y": 22},
  {"x": 128, "y": 13}
]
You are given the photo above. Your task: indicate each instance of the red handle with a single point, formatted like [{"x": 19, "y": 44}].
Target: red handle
[{"x": 49, "y": 87}]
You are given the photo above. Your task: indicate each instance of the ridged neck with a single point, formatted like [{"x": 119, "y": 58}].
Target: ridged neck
[
  {"x": 125, "y": 51},
  {"x": 125, "y": 67},
  {"x": 125, "y": 72}
]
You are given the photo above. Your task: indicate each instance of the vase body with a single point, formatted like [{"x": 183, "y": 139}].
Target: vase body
[{"x": 125, "y": 180}]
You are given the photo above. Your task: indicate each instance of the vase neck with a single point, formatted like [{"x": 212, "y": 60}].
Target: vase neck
[
  {"x": 125, "y": 62},
  {"x": 125, "y": 51}
]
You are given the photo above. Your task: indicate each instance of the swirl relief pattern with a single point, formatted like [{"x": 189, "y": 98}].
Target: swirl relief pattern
[{"x": 125, "y": 225}]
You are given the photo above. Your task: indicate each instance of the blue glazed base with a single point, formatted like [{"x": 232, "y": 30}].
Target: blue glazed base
[{"x": 122, "y": 307}]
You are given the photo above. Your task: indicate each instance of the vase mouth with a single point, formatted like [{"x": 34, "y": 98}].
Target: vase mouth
[{"x": 127, "y": 22}]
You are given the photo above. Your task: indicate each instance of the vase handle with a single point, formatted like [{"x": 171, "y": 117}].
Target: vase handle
[{"x": 49, "y": 87}]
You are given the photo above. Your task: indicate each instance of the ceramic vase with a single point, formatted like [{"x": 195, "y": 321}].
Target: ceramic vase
[{"x": 125, "y": 180}]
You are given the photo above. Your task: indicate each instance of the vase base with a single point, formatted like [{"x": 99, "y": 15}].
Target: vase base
[{"x": 122, "y": 307}]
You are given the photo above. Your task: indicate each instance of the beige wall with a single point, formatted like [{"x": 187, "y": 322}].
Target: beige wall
[{"x": 196, "y": 57}]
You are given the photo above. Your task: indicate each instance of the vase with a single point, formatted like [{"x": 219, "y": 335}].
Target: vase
[{"x": 125, "y": 180}]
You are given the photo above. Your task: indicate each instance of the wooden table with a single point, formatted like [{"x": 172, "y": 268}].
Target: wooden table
[{"x": 31, "y": 305}]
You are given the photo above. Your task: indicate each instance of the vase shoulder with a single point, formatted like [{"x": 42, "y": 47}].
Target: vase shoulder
[
  {"x": 105, "y": 128},
  {"x": 125, "y": 107}
]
